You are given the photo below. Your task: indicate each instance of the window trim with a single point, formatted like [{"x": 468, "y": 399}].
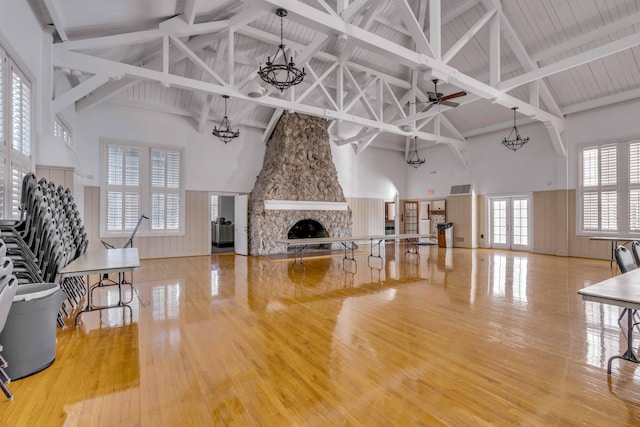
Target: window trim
[{"x": 146, "y": 189}]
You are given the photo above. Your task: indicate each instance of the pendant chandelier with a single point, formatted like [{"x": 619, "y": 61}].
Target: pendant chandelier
[
  {"x": 285, "y": 74},
  {"x": 514, "y": 143},
  {"x": 414, "y": 159},
  {"x": 225, "y": 133}
]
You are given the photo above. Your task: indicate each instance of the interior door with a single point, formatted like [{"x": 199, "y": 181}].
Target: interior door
[
  {"x": 411, "y": 217},
  {"x": 241, "y": 209},
  {"x": 510, "y": 223}
]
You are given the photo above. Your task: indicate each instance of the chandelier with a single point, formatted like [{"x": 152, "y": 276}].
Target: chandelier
[
  {"x": 414, "y": 159},
  {"x": 225, "y": 133},
  {"x": 517, "y": 142},
  {"x": 285, "y": 74}
]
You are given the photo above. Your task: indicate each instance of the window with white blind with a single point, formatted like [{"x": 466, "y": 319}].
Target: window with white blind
[
  {"x": 609, "y": 189},
  {"x": 62, "y": 131},
  {"x": 165, "y": 189},
  {"x": 142, "y": 180},
  {"x": 15, "y": 134},
  {"x": 215, "y": 207}
]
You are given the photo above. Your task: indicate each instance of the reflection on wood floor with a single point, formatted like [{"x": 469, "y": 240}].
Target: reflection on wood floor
[{"x": 449, "y": 336}]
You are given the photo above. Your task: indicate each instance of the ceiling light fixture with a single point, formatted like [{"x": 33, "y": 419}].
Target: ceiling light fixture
[
  {"x": 285, "y": 74},
  {"x": 517, "y": 142},
  {"x": 225, "y": 133},
  {"x": 414, "y": 159}
]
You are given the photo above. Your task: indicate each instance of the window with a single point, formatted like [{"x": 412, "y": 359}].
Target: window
[
  {"x": 141, "y": 180},
  {"x": 609, "y": 189},
  {"x": 215, "y": 203},
  {"x": 61, "y": 130},
  {"x": 15, "y": 134}
]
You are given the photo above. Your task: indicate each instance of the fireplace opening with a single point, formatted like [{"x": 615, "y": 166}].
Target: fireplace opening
[{"x": 309, "y": 229}]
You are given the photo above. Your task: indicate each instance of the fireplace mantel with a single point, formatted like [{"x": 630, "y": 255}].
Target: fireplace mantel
[{"x": 301, "y": 205}]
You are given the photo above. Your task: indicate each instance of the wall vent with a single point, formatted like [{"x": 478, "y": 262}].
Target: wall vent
[{"x": 460, "y": 189}]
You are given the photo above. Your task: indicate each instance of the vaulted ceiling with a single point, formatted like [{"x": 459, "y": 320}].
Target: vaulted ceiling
[{"x": 369, "y": 63}]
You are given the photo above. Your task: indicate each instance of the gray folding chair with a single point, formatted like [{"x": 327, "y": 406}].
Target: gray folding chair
[
  {"x": 8, "y": 288},
  {"x": 624, "y": 258}
]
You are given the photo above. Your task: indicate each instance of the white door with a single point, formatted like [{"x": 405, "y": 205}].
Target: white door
[
  {"x": 241, "y": 209},
  {"x": 510, "y": 223}
]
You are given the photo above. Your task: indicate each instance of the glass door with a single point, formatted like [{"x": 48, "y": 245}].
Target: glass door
[
  {"x": 510, "y": 223},
  {"x": 411, "y": 217}
]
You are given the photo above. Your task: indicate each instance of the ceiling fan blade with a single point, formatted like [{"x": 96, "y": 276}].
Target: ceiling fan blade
[
  {"x": 432, "y": 96},
  {"x": 454, "y": 95},
  {"x": 450, "y": 104},
  {"x": 428, "y": 108}
]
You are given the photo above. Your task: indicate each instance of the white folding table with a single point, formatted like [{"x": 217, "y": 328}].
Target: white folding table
[{"x": 119, "y": 260}]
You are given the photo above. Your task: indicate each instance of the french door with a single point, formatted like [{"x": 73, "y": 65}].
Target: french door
[
  {"x": 510, "y": 223},
  {"x": 411, "y": 217}
]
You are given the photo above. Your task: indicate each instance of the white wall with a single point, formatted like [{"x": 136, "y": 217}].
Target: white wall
[
  {"x": 493, "y": 169},
  {"x": 374, "y": 173}
]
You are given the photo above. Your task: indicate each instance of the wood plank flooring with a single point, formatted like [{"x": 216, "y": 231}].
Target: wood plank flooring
[{"x": 452, "y": 337}]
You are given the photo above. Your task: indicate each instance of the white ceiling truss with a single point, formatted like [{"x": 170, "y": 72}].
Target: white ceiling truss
[{"x": 369, "y": 65}]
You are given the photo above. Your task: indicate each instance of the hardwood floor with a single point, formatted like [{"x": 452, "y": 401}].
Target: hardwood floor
[{"x": 452, "y": 337}]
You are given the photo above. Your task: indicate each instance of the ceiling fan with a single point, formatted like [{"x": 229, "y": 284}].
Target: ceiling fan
[{"x": 438, "y": 98}]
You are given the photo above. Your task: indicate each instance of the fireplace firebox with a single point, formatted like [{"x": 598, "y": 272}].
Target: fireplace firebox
[{"x": 309, "y": 229}]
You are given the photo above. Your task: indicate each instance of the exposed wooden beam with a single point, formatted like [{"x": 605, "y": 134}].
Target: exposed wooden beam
[
  {"x": 435, "y": 28},
  {"x": 69, "y": 97},
  {"x": 112, "y": 89},
  {"x": 58, "y": 24},
  {"x": 414, "y": 28},
  {"x": 469, "y": 35},
  {"x": 494, "y": 51},
  {"x": 190, "y": 7},
  {"x": 273, "y": 121}
]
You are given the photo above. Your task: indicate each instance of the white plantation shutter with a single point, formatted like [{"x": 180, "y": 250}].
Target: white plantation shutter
[
  {"x": 15, "y": 134},
  {"x": 608, "y": 171},
  {"x": 173, "y": 211},
  {"x": 61, "y": 130},
  {"x": 609, "y": 210},
  {"x": 599, "y": 189},
  {"x": 157, "y": 211},
  {"x": 17, "y": 176},
  {"x": 3, "y": 154},
  {"x": 166, "y": 173},
  {"x": 123, "y": 187},
  {"x": 142, "y": 180},
  {"x": 608, "y": 180},
  {"x": 590, "y": 167},
  {"x": 20, "y": 114},
  {"x": 20, "y": 133},
  {"x": 590, "y": 212},
  {"x": 634, "y": 186}
]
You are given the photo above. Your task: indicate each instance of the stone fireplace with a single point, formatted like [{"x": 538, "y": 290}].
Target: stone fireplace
[{"x": 297, "y": 189}]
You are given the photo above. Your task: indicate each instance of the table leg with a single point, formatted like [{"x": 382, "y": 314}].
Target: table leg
[
  {"x": 379, "y": 256},
  {"x": 295, "y": 262},
  {"x": 346, "y": 257},
  {"x": 613, "y": 254},
  {"x": 88, "y": 307},
  {"x": 629, "y": 354}
]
